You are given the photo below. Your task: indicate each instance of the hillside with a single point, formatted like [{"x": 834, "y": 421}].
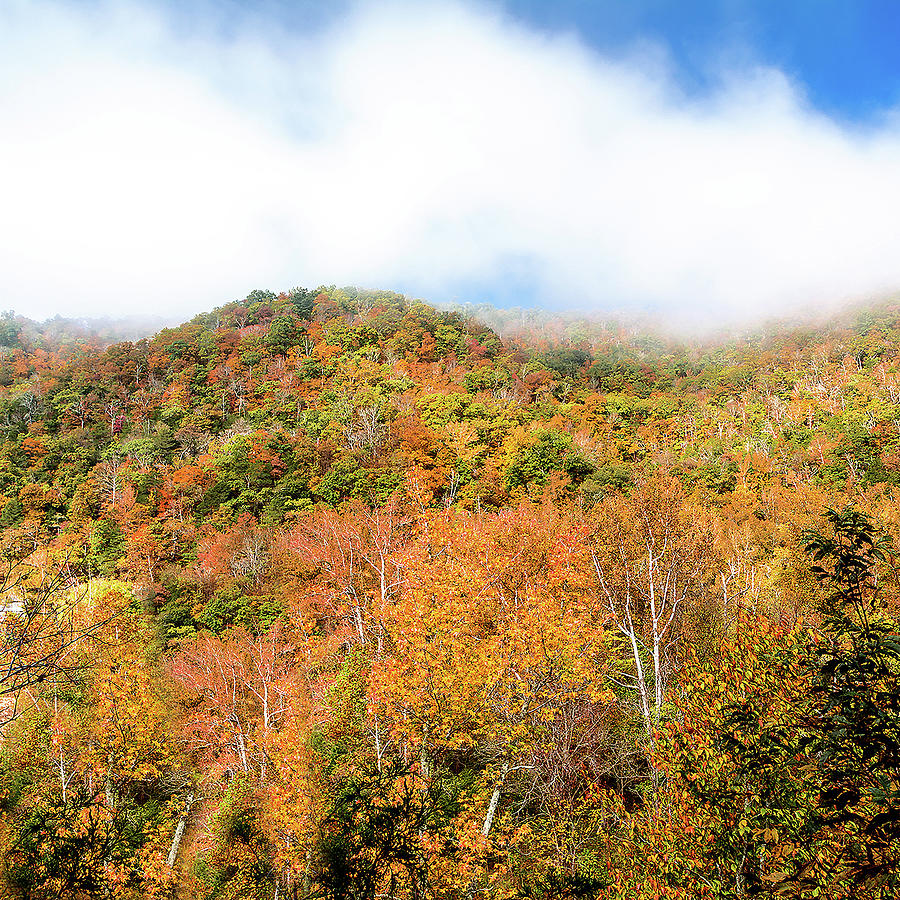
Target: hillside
[
  {"x": 333, "y": 593},
  {"x": 30, "y": 348}
]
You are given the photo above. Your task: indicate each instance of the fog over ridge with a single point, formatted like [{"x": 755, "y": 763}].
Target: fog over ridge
[{"x": 425, "y": 147}]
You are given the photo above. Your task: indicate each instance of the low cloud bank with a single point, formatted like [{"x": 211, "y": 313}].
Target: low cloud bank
[{"x": 152, "y": 167}]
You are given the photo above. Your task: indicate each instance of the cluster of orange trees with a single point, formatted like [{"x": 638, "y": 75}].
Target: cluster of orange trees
[{"x": 333, "y": 595}]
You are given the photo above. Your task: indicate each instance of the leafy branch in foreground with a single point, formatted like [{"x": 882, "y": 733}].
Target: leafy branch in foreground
[{"x": 854, "y": 733}]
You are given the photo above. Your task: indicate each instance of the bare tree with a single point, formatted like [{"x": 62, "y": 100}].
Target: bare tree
[
  {"x": 648, "y": 557},
  {"x": 39, "y": 630}
]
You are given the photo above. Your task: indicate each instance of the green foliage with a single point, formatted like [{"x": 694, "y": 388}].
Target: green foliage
[
  {"x": 552, "y": 451},
  {"x": 164, "y": 441},
  {"x": 258, "y": 296},
  {"x": 345, "y": 479},
  {"x": 12, "y": 513},
  {"x": 485, "y": 378},
  {"x": 283, "y": 334},
  {"x": 233, "y": 605},
  {"x": 239, "y": 867},
  {"x": 302, "y": 301},
  {"x": 143, "y": 450},
  {"x": 857, "y": 454},
  {"x": 9, "y": 329},
  {"x": 290, "y": 495},
  {"x": 371, "y": 836},
  {"x": 854, "y": 732},
  {"x": 439, "y": 409},
  {"x": 567, "y": 363},
  {"x": 174, "y": 623},
  {"x": 107, "y": 547},
  {"x": 610, "y": 478},
  {"x": 614, "y": 376}
]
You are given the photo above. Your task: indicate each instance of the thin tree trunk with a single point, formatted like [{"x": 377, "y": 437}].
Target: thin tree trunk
[
  {"x": 179, "y": 832},
  {"x": 495, "y": 801}
]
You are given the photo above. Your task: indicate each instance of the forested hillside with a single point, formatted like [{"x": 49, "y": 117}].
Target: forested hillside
[{"x": 334, "y": 594}]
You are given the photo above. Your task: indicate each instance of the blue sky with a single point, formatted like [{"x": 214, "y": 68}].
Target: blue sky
[
  {"x": 844, "y": 52},
  {"x": 708, "y": 161}
]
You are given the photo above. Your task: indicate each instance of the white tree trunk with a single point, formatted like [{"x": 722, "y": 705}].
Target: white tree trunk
[
  {"x": 495, "y": 801},
  {"x": 179, "y": 832}
]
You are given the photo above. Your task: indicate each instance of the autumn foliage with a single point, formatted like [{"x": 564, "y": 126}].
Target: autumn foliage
[{"x": 333, "y": 594}]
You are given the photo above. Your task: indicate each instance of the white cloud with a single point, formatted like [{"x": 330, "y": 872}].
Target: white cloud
[{"x": 426, "y": 146}]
